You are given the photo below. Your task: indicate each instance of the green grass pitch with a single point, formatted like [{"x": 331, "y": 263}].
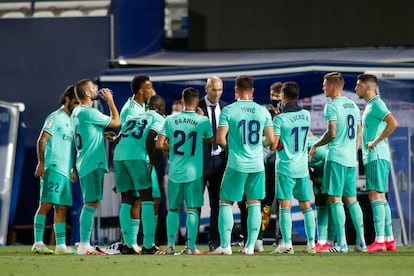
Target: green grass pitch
[{"x": 18, "y": 260}]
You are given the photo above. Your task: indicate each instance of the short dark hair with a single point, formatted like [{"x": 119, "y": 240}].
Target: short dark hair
[
  {"x": 290, "y": 90},
  {"x": 276, "y": 86},
  {"x": 157, "y": 103},
  {"x": 244, "y": 82},
  {"x": 190, "y": 95},
  {"x": 69, "y": 92},
  {"x": 80, "y": 88},
  {"x": 137, "y": 83},
  {"x": 367, "y": 77},
  {"x": 335, "y": 78}
]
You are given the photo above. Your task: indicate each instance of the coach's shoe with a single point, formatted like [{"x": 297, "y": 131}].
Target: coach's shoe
[
  {"x": 189, "y": 251},
  {"x": 152, "y": 251},
  {"x": 322, "y": 248},
  {"x": 129, "y": 250},
  {"x": 377, "y": 247},
  {"x": 361, "y": 248},
  {"x": 64, "y": 250},
  {"x": 258, "y": 246},
  {"x": 221, "y": 251},
  {"x": 391, "y": 245},
  {"x": 282, "y": 249},
  {"x": 40, "y": 248}
]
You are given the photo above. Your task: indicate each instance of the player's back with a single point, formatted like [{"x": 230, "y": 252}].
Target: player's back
[
  {"x": 246, "y": 121},
  {"x": 293, "y": 128},
  {"x": 134, "y": 133},
  {"x": 342, "y": 149},
  {"x": 186, "y": 131}
]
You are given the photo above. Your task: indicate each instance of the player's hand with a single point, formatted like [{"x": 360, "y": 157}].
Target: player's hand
[
  {"x": 110, "y": 135},
  {"x": 106, "y": 94},
  {"x": 312, "y": 153},
  {"x": 73, "y": 176},
  {"x": 200, "y": 111},
  {"x": 40, "y": 169},
  {"x": 370, "y": 145}
]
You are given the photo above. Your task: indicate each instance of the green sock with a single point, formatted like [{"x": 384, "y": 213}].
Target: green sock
[
  {"x": 285, "y": 222},
  {"x": 338, "y": 217},
  {"x": 172, "y": 227},
  {"x": 355, "y": 212},
  {"x": 331, "y": 226},
  {"x": 39, "y": 227},
  {"x": 226, "y": 223},
  {"x": 254, "y": 222},
  {"x": 60, "y": 233},
  {"x": 148, "y": 223},
  {"x": 378, "y": 212},
  {"x": 86, "y": 222},
  {"x": 125, "y": 222},
  {"x": 322, "y": 215},
  {"x": 155, "y": 225},
  {"x": 192, "y": 228},
  {"x": 388, "y": 220},
  {"x": 310, "y": 227},
  {"x": 134, "y": 230}
]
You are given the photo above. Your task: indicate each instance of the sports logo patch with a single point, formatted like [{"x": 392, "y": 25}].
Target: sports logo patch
[{"x": 49, "y": 123}]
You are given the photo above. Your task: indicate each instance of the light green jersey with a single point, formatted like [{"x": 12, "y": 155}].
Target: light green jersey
[
  {"x": 293, "y": 128},
  {"x": 246, "y": 121},
  {"x": 373, "y": 125},
  {"x": 59, "y": 147},
  {"x": 132, "y": 145},
  {"x": 318, "y": 160},
  {"x": 88, "y": 124},
  {"x": 186, "y": 131},
  {"x": 342, "y": 149},
  {"x": 130, "y": 109}
]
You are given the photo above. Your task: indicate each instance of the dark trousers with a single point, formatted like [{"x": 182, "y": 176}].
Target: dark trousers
[{"x": 213, "y": 173}]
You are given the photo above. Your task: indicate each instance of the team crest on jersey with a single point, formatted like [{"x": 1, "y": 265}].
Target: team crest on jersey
[{"x": 49, "y": 123}]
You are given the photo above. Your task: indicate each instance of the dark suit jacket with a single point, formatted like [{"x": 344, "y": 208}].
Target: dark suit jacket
[{"x": 207, "y": 147}]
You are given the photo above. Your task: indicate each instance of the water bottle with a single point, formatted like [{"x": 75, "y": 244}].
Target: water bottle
[{"x": 100, "y": 92}]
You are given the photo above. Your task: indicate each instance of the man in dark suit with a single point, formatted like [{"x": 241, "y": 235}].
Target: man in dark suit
[{"x": 214, "y": 156}]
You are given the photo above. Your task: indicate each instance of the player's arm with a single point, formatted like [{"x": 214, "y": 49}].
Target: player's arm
[
  {"x": 40, "y": 150},
  {"x": 162, "y": 143},
  {"x": 392, "y": 124},
  {"x": 359, "y": 134},
  {"x": 221, "y": 136},
  {"x": 150, "y": 145},
  {"x": 115, "y": 119},
  {"x": 209, "y": 140},
  {"x": 327, "y": 137},
  {"x": 275, "y": 145},
  {"x": 269, "y": 137}
]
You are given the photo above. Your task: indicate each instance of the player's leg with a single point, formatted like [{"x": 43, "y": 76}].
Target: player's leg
[
  {"x": 284, "y": 193},
  {"x": 92, "y": 191},
  {"x": 39, "y": 220},
  {"x": 231, "y": 190},
  {"x": 333, "y": 181},
  {"x": 354, "y": 208},
  {"x": 255, "y": 192},
  {"x": 303, "y": 192},
  {"x": 175, "y": 200}
]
